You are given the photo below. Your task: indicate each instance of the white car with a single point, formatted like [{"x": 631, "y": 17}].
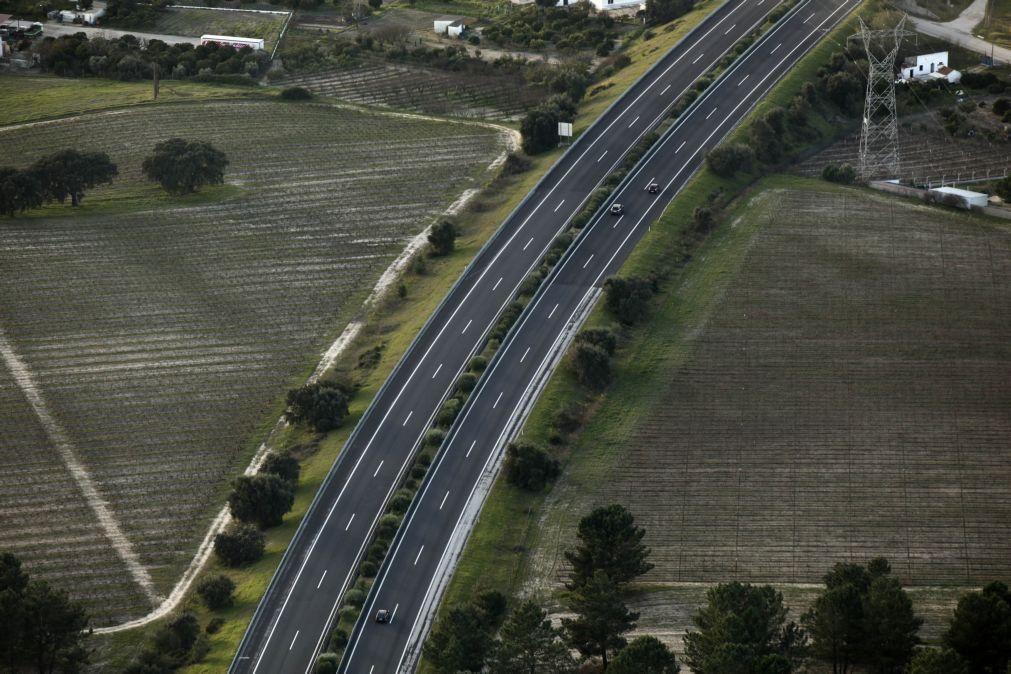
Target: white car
[{"x": 617, "y": 209}]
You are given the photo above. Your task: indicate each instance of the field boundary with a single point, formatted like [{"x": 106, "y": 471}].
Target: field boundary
[{"x": 32, "y": 392}]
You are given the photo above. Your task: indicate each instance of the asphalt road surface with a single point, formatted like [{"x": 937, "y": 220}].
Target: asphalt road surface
[
  {"x": 290, "y": 625},
  {"x": 407, "y": 578}
]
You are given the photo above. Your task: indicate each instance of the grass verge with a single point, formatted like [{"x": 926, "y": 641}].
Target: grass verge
[
  {"x": 998, "y": 28},
  {"x": 496, "y": 556},
  {"x": 32, "y": 98}
]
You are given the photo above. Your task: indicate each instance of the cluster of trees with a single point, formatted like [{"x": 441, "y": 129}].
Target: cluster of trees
[
  {"x": 66, "y": 174},
  {"x": 176, "y": 643},
  {"x": 179, "y": 166},
  {"x": 125, "y": 59},
  {"x": 590, "y": 357},
  {"x": 257, "y": 502},
  {"x": 529, "y": 467},
  {"x": 662, "y": 11},
  {"x": 539, "y": 126},
  {"x": 574, "y": 28},
  {"x": 321, "y": 405},
  {"x": 483, "y": 636},
  {"x": 41, "y": 629}
]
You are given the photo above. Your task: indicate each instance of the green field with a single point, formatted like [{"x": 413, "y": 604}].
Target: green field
[
  {"x": 238, "y": 23},
  {"x": 28, "y": 98},
  {"x": 162, "y": 331}
]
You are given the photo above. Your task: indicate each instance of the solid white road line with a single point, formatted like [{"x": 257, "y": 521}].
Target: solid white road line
[
  {"x": 497, "y": 399},
  {"x": 711, "y": 112},
  {"x": 665, "y": 90},
  {"x": 524, "y": 356},
  {"x": 553, "y": 311},
  {"x": 470, "y": 449},
  {"x": 418, "y": 556},
  {"x": 437, "y": 371},
  {"x": 379, "y": 467},
  {"x": 408, "y": 418},
  {"x": 633, "y": 122},
  {"x": 466, "y": 297},
  {"x": 321, "y": 579},
  {"x": 680, "y": 146},
  {"x": 350, "y": 521},
  {"x": 293, "y": 640},
  {"x": 466, "y": 326},
  {"x": 559, "y": 205},
  {"x": 744, "y": 79},
  {"x": 602, "y": 156},
  {"x": 444, "y": 500},
  {"x": 697, "y": 58},
  {"x": 587, "y": 260},
  {"x": 702, "y": 145},
  {"x": 528, "y": 243},
  {"x": 495, "y": 287}
]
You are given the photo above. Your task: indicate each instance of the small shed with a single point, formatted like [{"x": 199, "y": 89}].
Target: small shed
[
  {"x": 967, "y": 198},
  {"x": 453, "y": 26}
]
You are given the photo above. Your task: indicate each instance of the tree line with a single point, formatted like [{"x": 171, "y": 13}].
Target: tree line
[
  {"x": 124, "y": 58},
  {"x": 41, "y": 629},
  {"x": 179, "y": 166},
  {"x": 862, "y": 618}
]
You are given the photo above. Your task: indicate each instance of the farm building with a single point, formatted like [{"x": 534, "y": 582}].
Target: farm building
[
  {"x": 967, "y": 198},
  {"x": 88, "y": 18},
  {"x": 231, "y": 41},
  {"x": 923, "y": 65},
  {"x": 452, "y": 26}
]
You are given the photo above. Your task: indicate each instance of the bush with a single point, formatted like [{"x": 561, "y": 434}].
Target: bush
[
  {"x": 442, "y": 237},
  {"x": 369, "y": 569},
  {"x": 569, "y": 418},
  {"x": 216, "y": 592},
  {"x": 628, "y": 298},
  {"x": 539, "y": 127},
  {"x": 447, "y": 415},
  {"x": 843, "y": 174},
  {"x": 241, "y": 544},
  {"x": 726, "y": 160},
  {"x": 435, "y": 437},
  {"x": 327, "y": 663},
  {"x": 401, "y": 502},
  {"x": 338, "y": 638},
  {"x": 478, "y": 364},
  {"x": 530, "y": 468},
  {"x": 662, "y": 11},
  {"x": 296, "y": 94},
  {"x": 214, "y": 625},
  {"x": 1000, "y": 106},
  {"x": 388, "y": 525},
  {"x": 322, "y": 405},
  {"x": 599, "y": 337},
  {"x": 261, "y": 499},
  {"x": 591, "y": 365},
  {"x": 283, "y": 465}
]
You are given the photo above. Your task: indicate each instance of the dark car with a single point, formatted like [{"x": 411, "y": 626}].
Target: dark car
[
  {"x": 652, "y": 188},
  {"x": 382, "y": 616}
]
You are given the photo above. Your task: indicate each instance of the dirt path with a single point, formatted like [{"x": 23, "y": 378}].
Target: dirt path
[{"x": 959, "y": 31}]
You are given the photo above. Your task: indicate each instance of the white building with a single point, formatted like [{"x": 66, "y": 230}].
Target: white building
[
  {"x": 967, "y": 197},
  {"x": 88, "y": 18},
  {"x": 924, "y": 65},
  {"x": 453, "y": 26},
  {"x": 604, "y": 5}
]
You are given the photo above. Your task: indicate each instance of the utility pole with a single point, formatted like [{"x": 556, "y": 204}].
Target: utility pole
[
  {"x": 155, "y": 78},
  {"x": 879, "y": 135}
]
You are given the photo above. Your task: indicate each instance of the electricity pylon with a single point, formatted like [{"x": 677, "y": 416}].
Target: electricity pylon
[{"x": 879, "y": 136}]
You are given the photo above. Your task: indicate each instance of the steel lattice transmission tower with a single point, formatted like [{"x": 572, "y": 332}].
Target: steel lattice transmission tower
[{"x": 879, "y": 137}]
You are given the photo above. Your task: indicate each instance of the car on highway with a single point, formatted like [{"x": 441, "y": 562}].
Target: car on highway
[
  {"x": 652, "y": 188},
  {"x": 617, "y": 209},
  {"x": 382, "y": 616}
]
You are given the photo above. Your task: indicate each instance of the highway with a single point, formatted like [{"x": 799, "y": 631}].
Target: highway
[
  {"x": 290, "y": 625},
  {"x": 407, "y": 584}
]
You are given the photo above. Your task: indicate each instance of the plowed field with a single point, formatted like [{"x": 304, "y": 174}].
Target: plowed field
[{"x": 158, "y": 333}]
